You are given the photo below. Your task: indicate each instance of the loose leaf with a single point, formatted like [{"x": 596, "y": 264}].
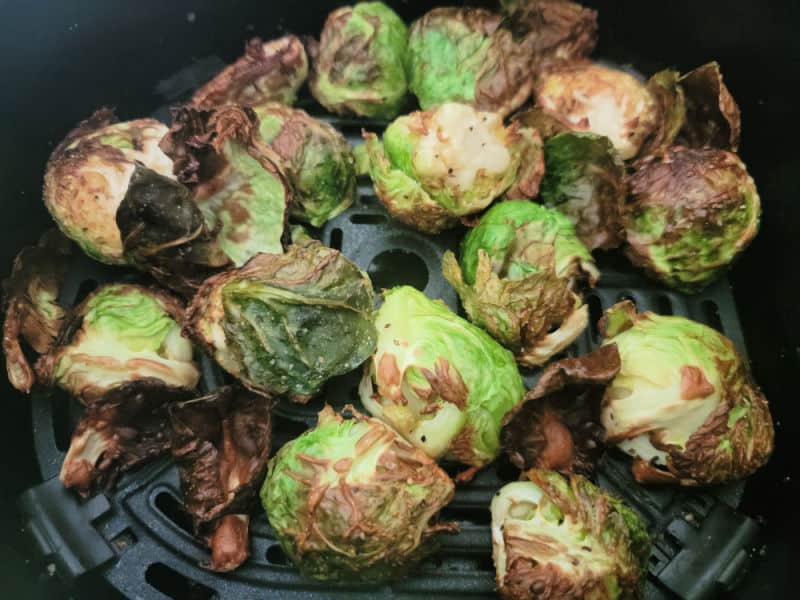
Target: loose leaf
[
  {"x": 32, "y": 312},
  {"x": 221, "y": 443}
]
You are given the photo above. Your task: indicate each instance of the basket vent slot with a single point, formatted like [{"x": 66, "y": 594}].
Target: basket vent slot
[
  {"x": 336, "y": 239},
  {"x": 276, "y": 556},
  {"x": 175, "y": 585},
  {"x": 711, "y": 315},
  {"x": 172, "y": 508}
]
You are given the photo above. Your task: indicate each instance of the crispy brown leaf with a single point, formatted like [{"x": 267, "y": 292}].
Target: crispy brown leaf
[
  {"x": 126, "y": 426},
  {"x": 221, "y": 443},
  {"x": 557, "y": 425}
]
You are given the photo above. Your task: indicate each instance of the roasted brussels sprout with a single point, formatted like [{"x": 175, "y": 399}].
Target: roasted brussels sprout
[
  {"x": 441, "y": 382},
  {"x": 286, "y": 323},
  {"x": 712, "y": 115},
  {"x": 519, "y": 268},
  {"x": 120, "y": 333},
  {"x": 684, "y": 404},
  {"x": 126, "y": 426},
  {"x": 357, "y": 67},
  {"x": 350, "y": 500},
  {"x": 557, "y": 425},
  {"x": 234, "y": 176},
  {"x": 689, "y": 213},
  {"x": 559, "y": 537},
  {"x": 221, "y": 444},
  {"x": 317, "y": 160},
  {"x": 267, "y": 72},
  {"x": 585, "y": 180},
  {"x": 32, "y": 312},
  {"x": 468, "y": 55},
  {"x": 593, "y": 98},
  {"x": 88, "y": 174},
  {"x": 553, "y": 30},
  {"x": 432, "y": 168}
]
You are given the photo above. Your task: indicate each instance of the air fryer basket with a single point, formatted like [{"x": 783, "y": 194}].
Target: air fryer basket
[{"x": 139, "y": 539}]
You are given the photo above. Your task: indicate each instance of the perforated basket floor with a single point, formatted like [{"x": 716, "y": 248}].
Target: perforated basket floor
[{"x": 139, "y": 538}]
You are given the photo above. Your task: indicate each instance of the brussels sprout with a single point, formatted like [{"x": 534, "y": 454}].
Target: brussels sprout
[
  {"x": 557, "y": 425},
  {"x": 563, "y": 537},
  {"x": 357, "y": 67},
  {"x": 442, "y": 383},
  {"x": 712, "y": 115},
  {"x": 468, "y": 55},
  {"x": 125, "y": 427},
  {"x": 317, "y": 160},
  {"x": 592, "y": 98},
  {"x": 88, "y": 174},
  {"x": 286, "y": 323},
  {"x": 689, "y": 213},
  {"x": 554, "y": 30},
  {"x": 684, "y": 404},
  {"x": 519, "y": 267},
  {"x": 585, "y": 180},
  {"x": 121, "y": 333},
  {"x": 165, "y": 233},
  {"x": 32, "y": 312},
  {"x": 234, "y": 178},
  {"x": 350, "y": 500},
  {"x": 267, "y": 72},
  {"x": 435, "y": 167},
  {"x": 221, "y": 444}
]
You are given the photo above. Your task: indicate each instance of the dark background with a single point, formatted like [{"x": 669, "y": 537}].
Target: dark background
[{"x": 63, "y": 58}]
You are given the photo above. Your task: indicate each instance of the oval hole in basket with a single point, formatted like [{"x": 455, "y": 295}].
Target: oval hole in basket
[
  {"x": 368, "y": 219},
  {"x": 711, "y": 315},
  {"x": 172, "y": 508},
  {"x": 276, "y": 556},
  {"x": 176, "y": 585},
  {"x": 664, "y": 305},
  {"x": 398, "y": 267},
  {"x": 336, "y": 239}
]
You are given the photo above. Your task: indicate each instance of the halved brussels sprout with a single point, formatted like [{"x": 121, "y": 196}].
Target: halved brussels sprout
[
  {"x": 519, "y": 268},
  {"x": 689, "y": 213},
  {"x": 88, "y": 174},
  {"x": 350, "y": 500},
  {"x": 441, "y": 382},
  {"x": 557, "y": 425},
  {"x": 124, "y": 427},
  {"x": 585, "y": 179},
  {"x": 358, "y": 63},
  {"x": 317, "y": 160},
  {"x": 684, "y": 404},
  {"x": 563, "y": 537},
  {"x": 120, "y": 333},
  {"x": 221, "y": 444},
  {"x": 432, "y": 168},
  {"x": 270, "y": 71},
  {"x": 589, "y": 97},
  {"x": 471, "y": 56},
  {"x": 234, "y": 177},
  {"x": 30, "y": 298},
  {"x": 286, "y": 323}
]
